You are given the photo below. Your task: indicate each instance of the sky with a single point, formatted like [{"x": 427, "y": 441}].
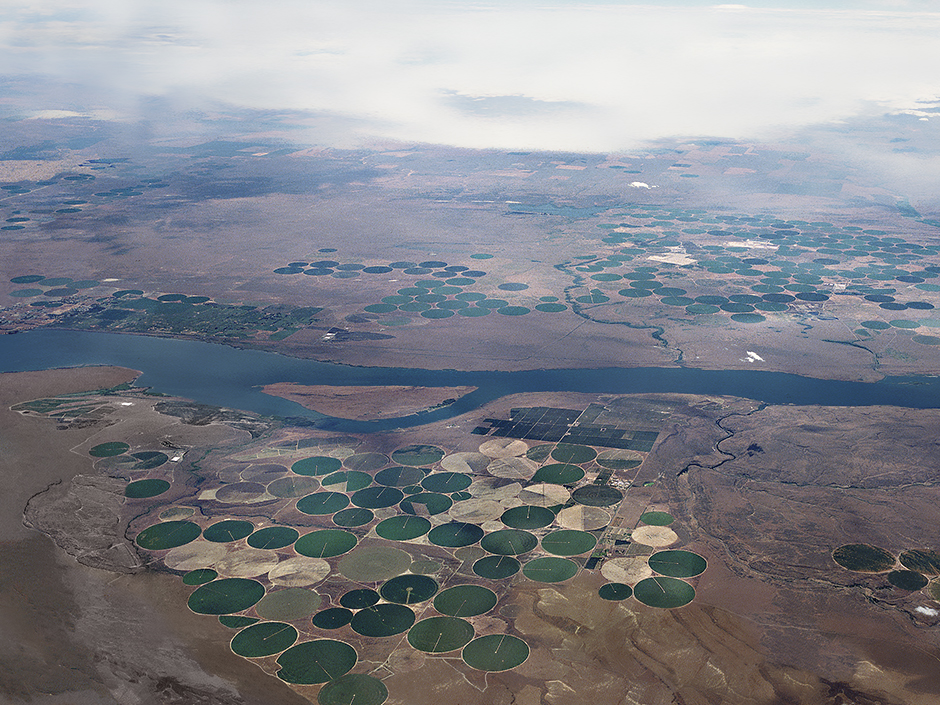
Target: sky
[{"x": 514, "y": 74}]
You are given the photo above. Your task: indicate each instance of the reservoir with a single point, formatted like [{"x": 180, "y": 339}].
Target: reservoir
[{"x": 220, "y": 375}]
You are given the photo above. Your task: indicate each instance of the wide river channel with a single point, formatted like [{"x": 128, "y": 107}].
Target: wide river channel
[{"x": 231, "y": 377}]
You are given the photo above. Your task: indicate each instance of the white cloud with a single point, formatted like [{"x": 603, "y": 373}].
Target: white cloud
[{"x": 586, "y": 77}]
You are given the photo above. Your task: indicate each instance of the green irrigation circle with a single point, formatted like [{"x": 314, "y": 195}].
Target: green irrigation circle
[
  {"x": 360, "y": 598},
  {"x": 663, "y": 592},
  {"x": 509, "y": 542},
  {"x": 357, "y": 688},
  {"x": 332, "y": 618},
  {"x": 657, "y": 518},
  {"x": 465, "y": 601},
  {"x": 144, "y": 489},
  {"x": 316, "y": 465},
  {"x": 226, "y": 596},
  {"x": 264, "y": 639},
  {"x": 377, "y": 497},
  {"x": 455, "y": 534},
  {"x": 550, "y": 569},
  {"x": 862, "y": 557},
  {"x": 495, "y": 652},
  {"x": 383, "y": 619},
  {"x": 320, "y": 503},
  {"x": 571, "y": 453},
  {"x": 615, "y": 591},
  {"x": 496, "y": 567},
  {"x": 228, "y": 530},
  {"x": 431, "y": 502},
  {"x": 677, "y": 564},
  {"x": 558, "y": 474},
  {"x": 200, "y": 576},
  {"x": 527, "y": 516},
  {"x": 106, "y": 450},
  {"x": 568, "y": 542},
  {"x": 403, "y": 528},
  {"x": 168, "y": 534},
  {"x": 409, "y": 589},
  {"x": 437, "y": 635},
  {"x": 446, "y": 482},
  {"x": 318, "y": 661},
  {"x": 325, "y": 543},
  {"x": 399, "y": 476},
  {"x": 272, "y": 537}
]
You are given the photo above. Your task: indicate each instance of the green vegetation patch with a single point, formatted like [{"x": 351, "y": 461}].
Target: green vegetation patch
[
  {"x": 357, "y": 688},
  {"x": 200, "y": 576},
  {"x": 430, "y": 502},
  {"x": 385, "y": 619},
  {"x": 615, "y": 591},
  {"x": 496, "y": 567},
  {"x": 455, "y": 534},
  {"x": 317, "y": 661},
  {"x": 332, "y": 618},
  {"x": 359, "y": 599},
  {"x": 465, "y": 600},
  {"x": 320, "y": 503},
  {"x": 106, "y": 450},
  {"x": 264, "y": 639},
  {"x": 272, "y": 537},
  {"x": 678, "y": 564},
  {"x": 863, "y": 557},
  {"x": 657, "y": 518},
  {"x": 288, "y": 604},
  {"x": 325, "y": 543},
  {"x": 921, "y": 561},
  {"x": 907, "y": 579},
  {"x": 437, "y": 635},
  {"x": 142, "y": 489},
  {"x": 446, "y": 482},
  {"x": 664, "y": 592},
  {"x": 226, "y": 596},
  {"x": 399, "y": 476},
  {"x": 509, "y": 542},
  {"x": 495, "y": 652},
  {"x": 403, "y": 528},
  {"x": 527, "y": 516},
  {"x": 550, "y": 569},
  {"x": 377, "y": 497},
  {"x": 350, "y": 480},
  {"x": 417, "y": 455},
  {"x": 168, "y": 534},
  {"x": 568, "y": 542},
  {"x": 409, "y": 589},
  {"x": 370, "y": 564},
  {"x": 316, "y": 465},
  {"x": 228, "y": 530},
  {"x": 558, "y": 474},
  {"x": 571, "y": 453}
]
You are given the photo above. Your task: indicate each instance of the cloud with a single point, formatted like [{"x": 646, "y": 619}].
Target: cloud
[{"x": 565, "y": 77}]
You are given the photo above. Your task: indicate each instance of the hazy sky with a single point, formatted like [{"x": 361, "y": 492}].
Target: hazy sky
[{"x": 514, "y": 74}]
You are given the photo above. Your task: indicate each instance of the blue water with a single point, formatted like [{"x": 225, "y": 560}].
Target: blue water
[{"x": 224, "y": 376}]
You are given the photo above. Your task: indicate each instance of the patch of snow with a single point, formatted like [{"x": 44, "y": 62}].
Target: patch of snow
[
  {"x": 754, "y": 357},
  {"x": 928, "y": 611}
]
